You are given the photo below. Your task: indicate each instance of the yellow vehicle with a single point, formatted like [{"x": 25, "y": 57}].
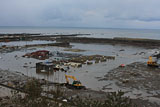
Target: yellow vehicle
[
  {"x": 75, "y": 84},
  {"x": 152, "y": 61}
]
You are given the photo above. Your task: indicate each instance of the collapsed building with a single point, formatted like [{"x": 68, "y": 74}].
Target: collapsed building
[
  {"x": 49, "y": 67},
  {"x": 41, "y": 54}
]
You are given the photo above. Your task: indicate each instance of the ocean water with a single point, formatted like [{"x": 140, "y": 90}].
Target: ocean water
[{"x": 94, "y": 32}]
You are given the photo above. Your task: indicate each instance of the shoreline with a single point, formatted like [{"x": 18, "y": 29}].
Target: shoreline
[
  {"x": 146, "y": 43},
  {"x": 77, "y": 38}
]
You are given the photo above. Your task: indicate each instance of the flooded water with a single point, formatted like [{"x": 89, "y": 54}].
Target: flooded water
[
  {"x": 87, "y": 74},
  {"x": 23, "y": 43}
]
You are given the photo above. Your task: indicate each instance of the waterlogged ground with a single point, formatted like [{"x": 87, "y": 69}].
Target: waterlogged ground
[
  {"x": 137, "y": 80},
  {"x": 89, "y": 75}
]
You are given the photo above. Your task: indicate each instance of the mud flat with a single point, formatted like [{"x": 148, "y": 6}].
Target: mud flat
[
  {"x": 16, "y": 81},
  {"x": 5, "y": 48},
  {"x": 74, "y": 50},
  {"x": 64, "y": 44},
  {"x": 137, "y": 76},
  {"x": 147, "y": 43}
]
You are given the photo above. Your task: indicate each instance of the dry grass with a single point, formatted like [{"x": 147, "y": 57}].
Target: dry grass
[{"x": 74, "y": 50}]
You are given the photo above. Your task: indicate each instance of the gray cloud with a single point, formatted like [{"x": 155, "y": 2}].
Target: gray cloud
[
  {"x": 82, "y": 13},
  {"x": 134, "y": 18}
]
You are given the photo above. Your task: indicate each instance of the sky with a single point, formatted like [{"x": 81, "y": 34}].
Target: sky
[{"x": 81, "y": 13}]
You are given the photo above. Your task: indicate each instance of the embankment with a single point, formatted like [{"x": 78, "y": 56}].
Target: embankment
[{"x": 148, "y": 43}]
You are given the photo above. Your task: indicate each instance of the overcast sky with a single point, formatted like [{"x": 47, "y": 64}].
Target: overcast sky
[{"x": 81, "y": 13}]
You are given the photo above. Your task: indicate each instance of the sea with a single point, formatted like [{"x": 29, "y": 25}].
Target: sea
[{"x": 94, "y": 32}]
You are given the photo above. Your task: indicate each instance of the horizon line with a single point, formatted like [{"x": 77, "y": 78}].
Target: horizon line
[{"x": 85, "y": 27}]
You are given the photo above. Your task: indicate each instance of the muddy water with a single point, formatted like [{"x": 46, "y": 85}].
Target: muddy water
[
  {"x": 87, "y": 74},
  {"x": 22, "y": 43}
]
